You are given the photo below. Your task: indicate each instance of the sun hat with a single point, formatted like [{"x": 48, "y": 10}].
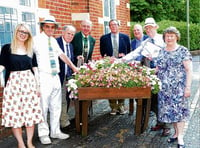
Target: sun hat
[
  {"x": 150, "y": 22},
  {"x": 49, "y": 19}
]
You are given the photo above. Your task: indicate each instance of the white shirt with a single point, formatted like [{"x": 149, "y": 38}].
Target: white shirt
[
  {"x": 117, "y": 38},
  {"x": 158, "y": 41},
  {"x": 41, "y": 49}
]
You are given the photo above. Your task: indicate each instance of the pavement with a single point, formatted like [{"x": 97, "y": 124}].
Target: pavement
[{"x": 106, "y": 131}]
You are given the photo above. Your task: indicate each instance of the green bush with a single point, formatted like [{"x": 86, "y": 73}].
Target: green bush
[{"x": 182, "y": 27}]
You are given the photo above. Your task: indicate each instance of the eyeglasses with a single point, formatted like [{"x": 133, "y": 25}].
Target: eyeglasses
[
  {"x": 51, "y": 27},
  {"x": 23, "y": 32}
]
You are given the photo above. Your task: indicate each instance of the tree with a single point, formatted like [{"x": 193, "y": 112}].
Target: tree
[{"x": 164, "y": 10}]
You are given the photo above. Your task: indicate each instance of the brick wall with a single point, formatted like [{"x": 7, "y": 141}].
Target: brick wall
[
  {"x": 3, "y": 131},
  {"x": 62, "y": 10}
]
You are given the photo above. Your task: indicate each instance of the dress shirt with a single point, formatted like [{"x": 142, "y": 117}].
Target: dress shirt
[
  {"x": 41, "y": 50},
  {"x": 138, "y": 42},
  {"x": 158, "y": 41},
  {"x": 116, "y": 37},
  {"x": 115, "y": 44}
]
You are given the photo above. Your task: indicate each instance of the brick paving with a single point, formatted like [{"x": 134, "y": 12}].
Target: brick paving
[{"x": 106, "y": 131}]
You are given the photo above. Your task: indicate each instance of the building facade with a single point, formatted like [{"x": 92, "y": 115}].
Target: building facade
[{"x": 72, "y": 12}]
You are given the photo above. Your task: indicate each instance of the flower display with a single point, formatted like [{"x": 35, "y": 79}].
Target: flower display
[{"x": 110, "y": 72}]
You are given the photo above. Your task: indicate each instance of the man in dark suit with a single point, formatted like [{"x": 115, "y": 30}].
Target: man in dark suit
[
  {"x": 64, "y": 42},
  {"x": 83, "y": 43},
  {"x": 139, "y": 37},
  {"x": 115, "y": 44}
]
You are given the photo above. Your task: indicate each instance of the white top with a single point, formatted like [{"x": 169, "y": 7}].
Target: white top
[
  {"x": 41, "y": 49},
  {"x": 146, "y": 46}
]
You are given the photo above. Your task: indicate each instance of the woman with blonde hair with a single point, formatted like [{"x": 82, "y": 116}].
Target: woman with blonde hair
[{"x": 21, "y": 102}]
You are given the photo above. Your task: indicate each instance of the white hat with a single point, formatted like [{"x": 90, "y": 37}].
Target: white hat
[
  {"x": 150, "y": 22},
  {"x": 49, "y": 19}
]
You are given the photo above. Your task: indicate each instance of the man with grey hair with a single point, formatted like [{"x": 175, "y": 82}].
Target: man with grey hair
[
  {"x": 83, "y": 43},
  {"x": 150, "y": 48},
  {"x": 139, "y": 37},
  {"x": 64, "y": 42}
]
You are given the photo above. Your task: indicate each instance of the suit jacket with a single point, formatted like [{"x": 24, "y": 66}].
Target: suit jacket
[
  {"x": 133, "y": 42},
  {"x": 62, "y": 64},
  {"x": 133, "y": 47},
  {"x": 77, "y": 43},
  {"x": 106, "y": 48}
]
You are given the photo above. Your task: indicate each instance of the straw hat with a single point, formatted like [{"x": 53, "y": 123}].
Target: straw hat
[
  {"x": 150, "y": 22},
  {"x": 49, "y": 19}
]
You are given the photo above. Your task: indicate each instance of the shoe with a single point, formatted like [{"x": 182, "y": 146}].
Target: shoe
[
  {"x": 122, "y": 110},
  {"x": 45, "y": 140},
  {"x": 180, "y": 146},
  {"x": 67, "y": 123},
  {"x": 156, "y": 128},
  {"x": 60, "y": 136},
  {"x": 113, "y": 112},
  {"x": 166, "y": 132},
  {"x": 171, "y": 140}
]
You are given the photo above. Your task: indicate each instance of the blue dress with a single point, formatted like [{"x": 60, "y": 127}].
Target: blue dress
[{"x": 172, "y": 106}]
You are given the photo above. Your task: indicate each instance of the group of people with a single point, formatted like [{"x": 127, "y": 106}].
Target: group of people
[{"x": 38, "y": 67}]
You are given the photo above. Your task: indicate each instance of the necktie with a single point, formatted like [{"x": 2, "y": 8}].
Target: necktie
[
  {"x": 67, "y": 69},
  {"x": 152, "y": 64},
  {"x": 52, "y": 59},
  {"x": 85, "y": 52},
  {"x": 152, "y": 41},
  {"x": 115, "y": 46},
  {"x": 68, "y": 51}
]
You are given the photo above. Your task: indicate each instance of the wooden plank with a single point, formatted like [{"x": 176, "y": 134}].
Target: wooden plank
[
  {"x": 85, "y": 106},
  {"x": 131, "y": 106},
  {"x": 77, "y": 115},
  {"x": 138, "y": 119},
  {"x": 90, "y": 93},
  {"x": 148, "y": 108}
]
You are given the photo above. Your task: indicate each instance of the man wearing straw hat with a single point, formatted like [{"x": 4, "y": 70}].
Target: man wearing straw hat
[
  {"x": 150, "y": 49},
  {"x": 47, "y": 52}
]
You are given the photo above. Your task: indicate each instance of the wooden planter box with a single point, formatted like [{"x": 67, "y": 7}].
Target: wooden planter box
[
  {"x": 90, "y": 93},
  {"x": 86, "y": 94}
]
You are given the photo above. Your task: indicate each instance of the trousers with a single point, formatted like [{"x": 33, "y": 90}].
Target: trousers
[{"x": 51, "y": 100}]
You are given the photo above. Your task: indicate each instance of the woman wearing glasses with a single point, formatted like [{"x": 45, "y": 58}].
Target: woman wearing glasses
[{"x": 21, "y": 102}]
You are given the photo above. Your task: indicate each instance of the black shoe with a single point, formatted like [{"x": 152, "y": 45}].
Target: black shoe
[
  {"x": 180, "y": 146},
  {"x": 171, "y": 140}
]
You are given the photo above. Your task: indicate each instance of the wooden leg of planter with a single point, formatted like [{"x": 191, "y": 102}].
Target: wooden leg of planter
[
  {"x": 138, "y": 119},
  {"x": 77, "y": 115},
  {"x": 131, "y": 106},
  {"x": 85, "y": 106},
  {"x": 148, "y": 107}
]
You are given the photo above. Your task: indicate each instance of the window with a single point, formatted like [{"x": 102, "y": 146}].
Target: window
[
  {"x": 109, "y": 8},
  {"x": 109, "y": 12},
  {"x": 9, "y": 18},
  {"x": 29, "y": 18},
  {"x": 8, "y": 21},
  {"x": 25, "y": 3}
]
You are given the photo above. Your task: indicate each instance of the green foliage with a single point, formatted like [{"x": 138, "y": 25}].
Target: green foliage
[
  {"x": 182, "y": 27},
  {"x": 164, "y": 10}
]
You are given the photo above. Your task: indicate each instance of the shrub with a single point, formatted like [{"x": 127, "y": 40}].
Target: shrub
[{"x": 182, "y": 27}]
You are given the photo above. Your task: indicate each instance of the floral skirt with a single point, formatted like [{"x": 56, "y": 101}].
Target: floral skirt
[{"x": 21, "y": 103}]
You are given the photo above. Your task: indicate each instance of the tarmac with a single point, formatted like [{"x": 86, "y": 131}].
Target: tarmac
[{"x": 107, "y": 131}]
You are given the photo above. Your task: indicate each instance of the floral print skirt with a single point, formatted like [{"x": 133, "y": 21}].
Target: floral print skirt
[{"x": 21, "y": 103}]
